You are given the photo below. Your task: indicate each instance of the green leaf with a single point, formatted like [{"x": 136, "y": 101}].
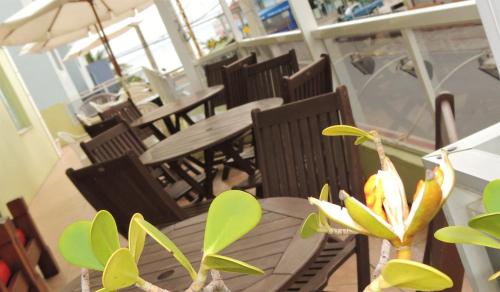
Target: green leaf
[
  {"x": 136, "y": 237},
  {"x": 104, "y": 236},
  {"x": 344, "y": 130},
  {"x": 489, "y": 223},
  {"x": 74, "y": 245},
  {"x": 227, "y": 264},
  {"x": 494, "y": 276},
  {"x": 164, "y": 241},
  {"x": 491, "y": 196},
  {"x": 413, "y": 275},
  {"x": 231, "y": 215},
  {"x": 120, "y": 271},
  {"x": 467, "y": 235},
  {"x": 310, "y": 226}
]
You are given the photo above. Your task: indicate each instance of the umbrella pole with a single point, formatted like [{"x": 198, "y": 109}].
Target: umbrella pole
[
  {"x": 190, "y": 29},
  {"x": 106, "y": 41}
]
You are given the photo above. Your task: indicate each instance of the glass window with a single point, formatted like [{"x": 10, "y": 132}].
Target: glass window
[
  {"x": 463, "y": 66},
  {"x": 384, "y": 90},
  {"x": 11, "y": 102}
]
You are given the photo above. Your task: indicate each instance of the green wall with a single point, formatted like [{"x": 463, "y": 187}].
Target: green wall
[{"x": 27, "y": 157}]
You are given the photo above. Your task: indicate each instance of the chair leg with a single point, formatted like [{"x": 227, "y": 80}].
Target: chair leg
[
  {"x": 443, "y": 256},
  {"x": 225, "y": 172},
  {"x": 362, "y": 262}
]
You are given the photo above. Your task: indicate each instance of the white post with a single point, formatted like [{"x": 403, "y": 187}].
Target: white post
[
  {"x": 418, "y": 62},
  {"x": 229, "y": 17},
  {"x": 307, "y": 23},
  {"x": 145, "y": 47},
  {"x": 489, "y": 11},
  {"x": 184, "y": 51}
]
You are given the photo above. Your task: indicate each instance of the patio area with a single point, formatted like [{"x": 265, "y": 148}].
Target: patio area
[
  {"x": 57, "y": 193},
  {"x": 249, "y": 145}
]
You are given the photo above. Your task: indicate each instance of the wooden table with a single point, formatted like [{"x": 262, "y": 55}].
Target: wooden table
[
  {"x": 274, "y": 246},
  {"x": 179, "y": 108},
  {"x": 215, "y": 133}
]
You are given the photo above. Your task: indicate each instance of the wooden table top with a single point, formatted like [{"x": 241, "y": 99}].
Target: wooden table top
[
  {"x": 274, "y": 245},
  {"x": 207, "y": 133},
  {"x": 179, "y": 105}
]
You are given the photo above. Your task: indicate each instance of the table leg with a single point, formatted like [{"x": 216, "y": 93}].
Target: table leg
[
  {"x": 172, "y": 129},
  {"x": 197, "y": 187},
  {"x": 209, "y": 110},
  {"x": 157, "y": 133},
  {"x": 238, "y": 162},
  {"x": 209, "y": 173}
]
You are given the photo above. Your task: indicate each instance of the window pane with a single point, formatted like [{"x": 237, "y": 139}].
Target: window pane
[
  {"x": 384, "y": 91},
  {"x": 11, "y": 102},
  {"x": 464, "y": 67}
]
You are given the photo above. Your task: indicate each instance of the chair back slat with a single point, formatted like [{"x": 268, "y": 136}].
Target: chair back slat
[
  {"x": 264, "y": 79},
  {"x": 295, "y": 159},
  {"x": 127, "y": 111},
  {"x": 123, "y": 186},
  {"x": 313, "y": 80},
  {"x": 234, "y": 82},
  {"x": 113, "y": 143},
  {"x": 213, "y": 73}
]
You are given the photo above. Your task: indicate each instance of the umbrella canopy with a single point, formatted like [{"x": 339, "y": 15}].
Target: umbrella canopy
[
  {"x": 42, "y": 20},
  {"x": 81, "y": 42},
  {"x": 65, "y": 39},
  {"x": 84, "y": 46}
]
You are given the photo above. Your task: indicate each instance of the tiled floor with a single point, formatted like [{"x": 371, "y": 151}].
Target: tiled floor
[{"x": 58, "y": 204}]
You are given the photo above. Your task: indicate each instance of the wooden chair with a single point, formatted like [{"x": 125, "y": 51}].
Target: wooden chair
[
  {"x": 295, "y": 159},
  {"x": 213, "y": 73},
  {"x": 24, "y": 277},
  {"x": 129, "y": 112},
  {"x": 39, "y": 253},
  {"x": 96, "y": 129},
  {"x": 120, "y": 140},
  {"x": 263, "y": 80},
  {"x": 234, "y": 84},
  {"x": 123, "y": 186},
  {"x": 440, "y": 255},
  {"x": 313, "y": 80}
]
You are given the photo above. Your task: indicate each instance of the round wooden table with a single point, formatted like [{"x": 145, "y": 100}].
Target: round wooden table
[
  {"x": 274, "y": 245},
  {"x": 215, "y": 133},
  {"x": 180, "y": 107}
]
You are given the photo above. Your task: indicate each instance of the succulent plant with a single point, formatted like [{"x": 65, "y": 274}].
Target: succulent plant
[
  {"x": 95, "y": 245},
  {"x": 484, "y": 229}
]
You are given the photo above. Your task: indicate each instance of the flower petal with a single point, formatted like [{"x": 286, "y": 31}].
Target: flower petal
[{"x": 338, "y": 215}]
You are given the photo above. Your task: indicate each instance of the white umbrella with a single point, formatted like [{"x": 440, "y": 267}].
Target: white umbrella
[
  {"x": 42, "y": 20},
  {"x": 84, "y": 46}
]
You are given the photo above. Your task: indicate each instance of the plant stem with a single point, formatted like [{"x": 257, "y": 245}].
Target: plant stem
[
  {"x": 199, "y": 283},
  {"x": 148, "y": 287},
  {"x": 380, "y": 149},
  {"x": 342, "y": 231},
  {"x": 85, "y": 280},
  {"x": 385, "y": 252},
  {"x": 403, "y": 252},
  {"x": 374, "y": 286},
  {"x": 217, "y": 284}
]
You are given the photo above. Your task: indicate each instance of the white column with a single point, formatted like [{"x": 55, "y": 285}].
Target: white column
[
  {"x": 229, "y": 17},
  {"x": 418, "y": 62},
  {"x": 489, "y": 11},
  {"x": 145, "y": 47},
  {"x": 184, "y": 51},
  {"x": 82, "y": 67},
  {"x": 305, "y": 20}
]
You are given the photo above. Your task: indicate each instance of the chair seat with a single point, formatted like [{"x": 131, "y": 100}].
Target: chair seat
[
  {"x": 180, "y": 188},
  {"x": 314, "y": 276}
]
